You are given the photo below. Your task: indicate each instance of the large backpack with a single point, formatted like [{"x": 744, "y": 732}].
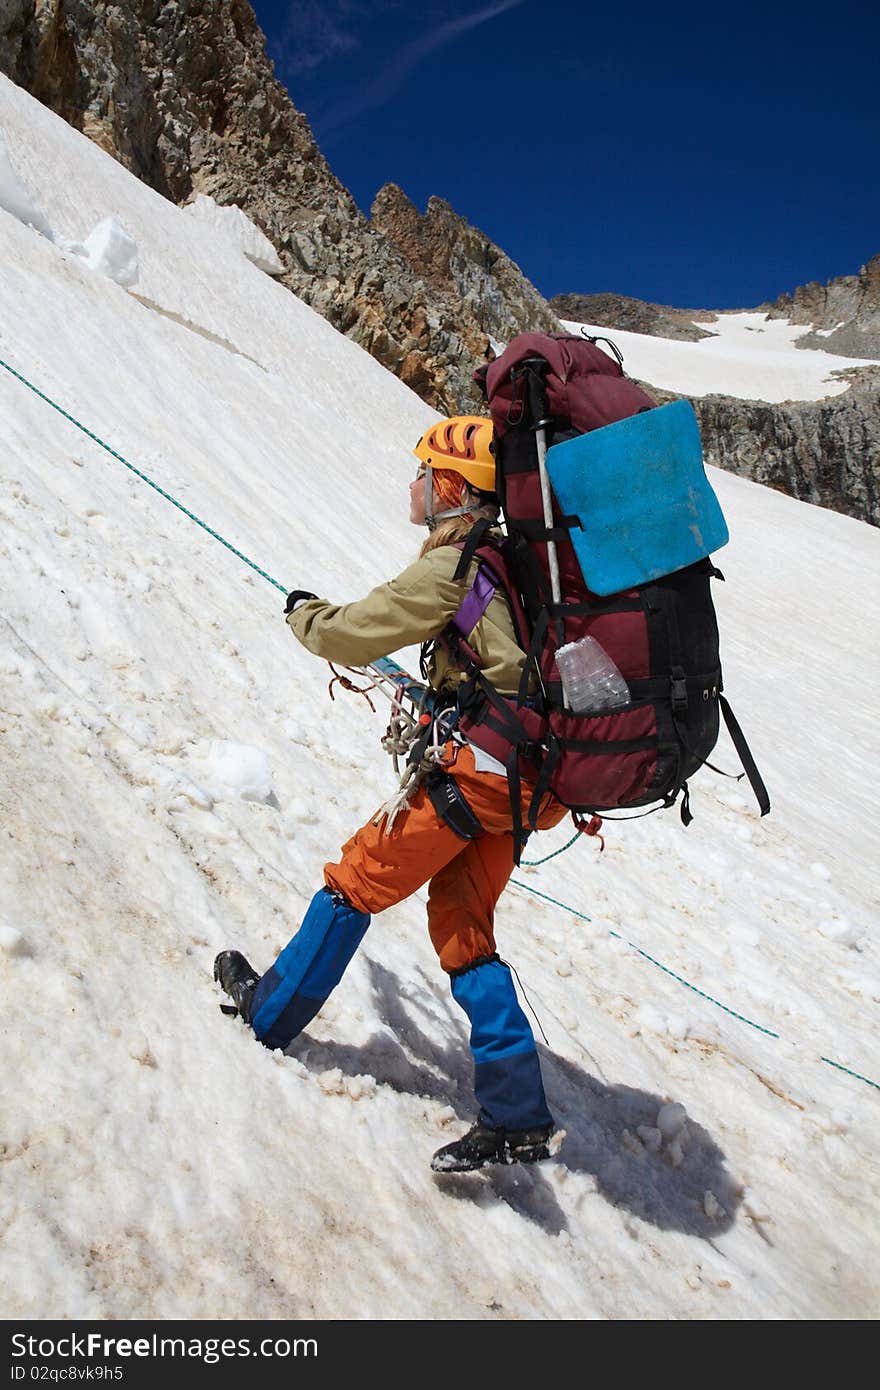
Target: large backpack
[{"x": 662, "y": 635}]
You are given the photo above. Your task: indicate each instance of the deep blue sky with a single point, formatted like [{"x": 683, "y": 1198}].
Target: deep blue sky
[{"x": 695, "y": 155}]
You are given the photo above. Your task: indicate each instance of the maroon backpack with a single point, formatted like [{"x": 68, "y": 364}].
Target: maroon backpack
[{"x": 662, "y": 636}]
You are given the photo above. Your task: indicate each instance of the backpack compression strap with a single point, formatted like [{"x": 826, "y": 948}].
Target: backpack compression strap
[{"x": 737, "y": 738}]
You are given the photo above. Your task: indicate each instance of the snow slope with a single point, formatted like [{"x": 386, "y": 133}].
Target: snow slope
[
  {"x": 749, "y": 356},
  {"x": 174, "y": 777}
]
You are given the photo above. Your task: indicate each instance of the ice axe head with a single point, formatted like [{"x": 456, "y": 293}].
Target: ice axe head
[{"x": 533, "y": 370}]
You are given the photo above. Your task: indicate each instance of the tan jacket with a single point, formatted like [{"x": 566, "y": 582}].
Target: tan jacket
[{"x": 415, "y": 606}]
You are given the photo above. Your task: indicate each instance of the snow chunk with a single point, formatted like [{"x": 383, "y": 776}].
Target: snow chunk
[
  {"x": 12, "y": 943},
  {"x": 671, "y": 1119},
  {"x": 237, "y": 227},
  {"x": 648, "y": 1019},
  {"x": 15, "y": 199},
  {"x": 555, "y": 1141},
  {"x": 712, "y": 1207},
  {"x": 651, "y": 1138},
  {"x": 233, "y": 771},
  {"x": 842, "y": 930},
  {"x": 332, "y": 1082},
  {"x": 110, "y": 251},
  {"x": 360, "y": 1087}
]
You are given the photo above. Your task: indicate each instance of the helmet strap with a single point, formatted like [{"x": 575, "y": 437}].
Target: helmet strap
[
  {"x": 432, "y": 517},
  {"x": 430, "y": 520}
]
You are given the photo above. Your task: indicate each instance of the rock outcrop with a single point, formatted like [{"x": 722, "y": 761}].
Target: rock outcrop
[
  {"x": 825, "y": 452},
  {"x": 844, "y": 313},
  {"x": 632, "y": 315},
  {"x": 447, "y": 250}
]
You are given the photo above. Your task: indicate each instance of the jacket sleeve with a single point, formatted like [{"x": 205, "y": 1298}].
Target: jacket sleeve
[{"x": 409, "y": 609}]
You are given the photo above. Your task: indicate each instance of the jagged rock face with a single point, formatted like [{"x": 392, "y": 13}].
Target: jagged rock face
[
  {"x": 825, "y": 452},
  {"x": 850, "y": 305},
  {"x": 16, "y": 38},
  {"x": 631, "y": 315},
  {"x": 181, "y": 92},
  {"x": 445, "y": 249}
]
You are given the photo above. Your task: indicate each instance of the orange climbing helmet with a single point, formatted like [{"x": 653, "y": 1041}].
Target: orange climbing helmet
[{"x": 463, "y": 443}]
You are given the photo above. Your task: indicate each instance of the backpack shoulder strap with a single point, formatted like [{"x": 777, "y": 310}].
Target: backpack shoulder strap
[
  {"x": 492, "y": 574},
  {"x": 474, "y": 603},
  {"x": 470, "y": 546}
]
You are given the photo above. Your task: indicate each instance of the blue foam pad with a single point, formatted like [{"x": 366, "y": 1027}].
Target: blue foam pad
[{"x": 642, "y": 495}]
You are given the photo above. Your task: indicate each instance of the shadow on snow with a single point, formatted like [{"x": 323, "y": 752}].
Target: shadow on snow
[{"x": 601, "y": 1124}]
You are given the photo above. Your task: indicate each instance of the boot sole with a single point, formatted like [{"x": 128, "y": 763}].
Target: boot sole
[{"x": 505, "y": 1160}]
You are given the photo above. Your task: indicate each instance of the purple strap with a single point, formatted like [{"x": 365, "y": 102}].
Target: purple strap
[{"x": 475, "y": 603}]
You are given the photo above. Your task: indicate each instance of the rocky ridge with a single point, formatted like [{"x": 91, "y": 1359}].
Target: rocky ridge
[
  {"x": 844, "y": 313},
  {"x": 632, "y": 315},
  {"x": 823, "y": 452},
  {"x": 181, "y": 92},
  {"x": 447, "y": 250}
]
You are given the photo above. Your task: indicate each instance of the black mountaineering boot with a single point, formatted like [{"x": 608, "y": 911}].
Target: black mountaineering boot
[
  {"x": 482, "y": 1146},
  {"x": 237, "y": 978}
]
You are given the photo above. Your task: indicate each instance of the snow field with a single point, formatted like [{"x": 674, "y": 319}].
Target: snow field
[{"x": 749, "y": 356}]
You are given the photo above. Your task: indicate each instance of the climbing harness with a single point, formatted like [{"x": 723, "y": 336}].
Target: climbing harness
[{"x": 420, "y": 734}]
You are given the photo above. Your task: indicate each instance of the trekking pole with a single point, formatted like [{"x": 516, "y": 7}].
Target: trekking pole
[
  {"x": 541, "y": 439},
  {"x": 537, "y": 366},
  {"x": 538, "y": 406}
]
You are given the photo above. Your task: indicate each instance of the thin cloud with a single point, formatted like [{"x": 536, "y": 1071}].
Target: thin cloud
[
  {"x": 388, "y": 80},
  {"x": 314, "y": 33}
]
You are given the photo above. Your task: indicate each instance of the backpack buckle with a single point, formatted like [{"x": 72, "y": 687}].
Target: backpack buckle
[{"x": 678, "y": 689}]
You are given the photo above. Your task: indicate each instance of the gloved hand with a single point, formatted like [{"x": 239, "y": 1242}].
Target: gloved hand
[{"x": 297, "y": 596}]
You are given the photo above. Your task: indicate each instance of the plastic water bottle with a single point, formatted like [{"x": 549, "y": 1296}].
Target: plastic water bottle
[{"x": 590, "y": 679}]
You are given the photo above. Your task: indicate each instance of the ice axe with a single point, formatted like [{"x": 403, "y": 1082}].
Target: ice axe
[{"x": 535, "y": 368}]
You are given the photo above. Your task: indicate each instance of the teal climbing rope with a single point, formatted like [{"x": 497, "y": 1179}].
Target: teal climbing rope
[
  {"x": 144, "y": 477},
  {"x": 533, "y": 863},
  {"x": 768, "y": 1032}
]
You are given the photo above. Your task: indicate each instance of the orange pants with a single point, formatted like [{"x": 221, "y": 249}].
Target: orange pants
[{"x": 467, "y": 877}]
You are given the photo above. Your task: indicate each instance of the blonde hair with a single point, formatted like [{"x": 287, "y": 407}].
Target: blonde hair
[{"x": 457, "y": 528}]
